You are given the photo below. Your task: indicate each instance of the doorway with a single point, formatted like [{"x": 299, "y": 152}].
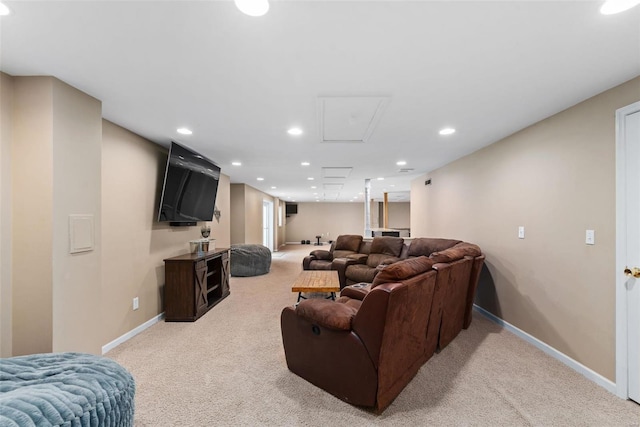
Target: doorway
[
  {"x": 628, "y": 252},
  {"x": 267, "y": 224}
]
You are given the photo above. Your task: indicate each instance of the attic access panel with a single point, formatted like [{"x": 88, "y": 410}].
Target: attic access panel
[{"x": 349, "y": 118}]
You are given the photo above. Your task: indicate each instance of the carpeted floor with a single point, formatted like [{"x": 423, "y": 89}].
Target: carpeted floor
[{"x": 228, "y": 369}]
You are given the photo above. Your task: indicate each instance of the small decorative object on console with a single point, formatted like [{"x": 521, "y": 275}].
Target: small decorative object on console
[{"x": 205, "y": 231}]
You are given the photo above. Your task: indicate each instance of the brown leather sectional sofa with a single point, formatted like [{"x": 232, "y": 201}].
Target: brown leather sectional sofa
[{"x": 366, "y": 346}]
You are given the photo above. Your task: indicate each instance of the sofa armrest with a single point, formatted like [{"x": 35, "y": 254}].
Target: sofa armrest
[
  {"x": 318, "y": 254},
  {"x": 357, "y": 291},
  {"x": 358, "y": 258},
  {"x": 327, "y": 313},
  {"x": 340, "y": 265},
  {"x": 322, "y": 255}
]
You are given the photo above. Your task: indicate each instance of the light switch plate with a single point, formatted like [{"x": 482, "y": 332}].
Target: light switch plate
[
  {"x": 590, "y": 238},
  {"x": 521, "y": 232}
]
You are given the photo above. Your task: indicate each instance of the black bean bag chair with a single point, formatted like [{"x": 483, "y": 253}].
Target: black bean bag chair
[{"x": 250, "y": 260}]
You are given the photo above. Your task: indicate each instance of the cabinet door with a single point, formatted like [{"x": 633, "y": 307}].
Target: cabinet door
[
  {"x": 201, "y": 288},
  {"x": 224, "y": 282}
]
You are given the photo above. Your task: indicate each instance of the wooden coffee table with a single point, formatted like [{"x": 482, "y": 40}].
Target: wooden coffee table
[{"x": 317, "y": 281}]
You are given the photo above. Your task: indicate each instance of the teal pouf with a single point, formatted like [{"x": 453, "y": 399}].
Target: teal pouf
[
  {"x": 250, "y": 260},
  {"x": 65, "y": 389}
]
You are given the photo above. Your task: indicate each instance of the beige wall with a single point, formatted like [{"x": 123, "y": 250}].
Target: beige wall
[
  {"x": 221, "y": 230},
  {"x": 6, "y": 126},
  {"x": 55, "y": 172},
  {"x": 62, "y": 151},
  {"x": 134, "y": 243},
  {"x": 32, "y": 211},
  {"x": 246, "y": 219},
  {"x": 557, "y": 179},
  {"x": 327, "y": 219},
  {"x": 77, "y": 136},
  {"x": 399, "y": 214},
  {"x": 237, "y": 213},
  {"x": 333, "y": 219}
]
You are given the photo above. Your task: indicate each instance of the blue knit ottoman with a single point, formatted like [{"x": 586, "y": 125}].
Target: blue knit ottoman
[
  {"x": 65, "y": 389},
  {"x": 250, "y": 260}
]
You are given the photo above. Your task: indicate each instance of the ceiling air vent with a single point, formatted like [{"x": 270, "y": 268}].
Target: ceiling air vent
[{"x": 405, "y": 170}]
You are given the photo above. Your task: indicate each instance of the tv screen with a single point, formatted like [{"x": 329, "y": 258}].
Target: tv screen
[
  {"x": 190, "y": 187},
  {"x": 291, "y": 209}
]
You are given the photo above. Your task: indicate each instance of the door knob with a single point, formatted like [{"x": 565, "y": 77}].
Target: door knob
[{"x": 633, "y": 271}]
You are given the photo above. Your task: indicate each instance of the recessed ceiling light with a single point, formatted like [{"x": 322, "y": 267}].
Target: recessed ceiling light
[
  {"x": 184, "y": 131},
  {"x": 4, "y": 10},
  {"x": 401, "y": 163},
  {"x": 392, "y": 185},
  {"x": 260, "y": 179},
  {"x": 611, "y": 7},
  {"x": 305, "y": 163},
  {"x": 295, "y": 131},
  {"x": 317, "y": 200},
  {"x": 273, "y": 187},
  {"x": 447, "y": 131},
  {"x": 252, "y": 7},
  {"x": 310, "y": 178},
  {"x": 236, "y": 163},
  {"x": 313, "y": 187},
  {"x": 380, "y": 178}
]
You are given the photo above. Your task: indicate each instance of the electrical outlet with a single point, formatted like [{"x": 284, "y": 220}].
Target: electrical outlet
[
  {"x": 521, "y": 232},
  {"x": 136, "y": 303}
]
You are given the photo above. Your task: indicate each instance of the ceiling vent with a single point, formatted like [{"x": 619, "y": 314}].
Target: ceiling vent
[
  {"x": 332, "y": 187},
  {"x": 405, "y": 170},
  {"x": 349, "y": 118},
  {"x": 330, "y": 172},
  {"x": 329, "y": 195}
]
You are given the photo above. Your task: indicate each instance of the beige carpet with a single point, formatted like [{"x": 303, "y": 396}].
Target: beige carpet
[{"x": 228, "y": 369}]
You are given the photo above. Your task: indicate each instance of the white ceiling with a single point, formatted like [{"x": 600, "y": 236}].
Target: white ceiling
[{"x": 487, "y": 69}]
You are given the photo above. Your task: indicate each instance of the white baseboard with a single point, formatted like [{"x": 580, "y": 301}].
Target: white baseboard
[
  {"x": 132, "y": 333},
  {"x": 576, "y": 366}
]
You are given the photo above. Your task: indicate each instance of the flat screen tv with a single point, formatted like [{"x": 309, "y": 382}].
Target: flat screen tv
[{"x": 190, "y": 187}]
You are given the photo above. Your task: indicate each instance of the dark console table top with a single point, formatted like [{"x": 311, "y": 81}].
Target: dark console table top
[{"x": 196, "y": 256}]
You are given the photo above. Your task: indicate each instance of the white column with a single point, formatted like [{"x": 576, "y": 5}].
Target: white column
[{"x": 367, "y": 208}]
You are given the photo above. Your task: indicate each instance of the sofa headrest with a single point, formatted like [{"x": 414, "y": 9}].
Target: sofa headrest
[
  {"x": 365, "y": 247},
  {"x": 457, "y": 252},
  {"x": 387, "y": 245},
  {"x": 402, "y": 270},
  {"x": 427, "y": 245},
  {"x": 348, "y": 242}
]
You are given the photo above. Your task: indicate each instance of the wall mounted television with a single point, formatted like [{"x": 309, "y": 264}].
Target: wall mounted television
[{"x": 189, "y": 189}]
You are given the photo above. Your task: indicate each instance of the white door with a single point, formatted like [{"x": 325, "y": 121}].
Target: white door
[
  {"x": 267, "y": 224},
  {"x": 628, "y": 252}
]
